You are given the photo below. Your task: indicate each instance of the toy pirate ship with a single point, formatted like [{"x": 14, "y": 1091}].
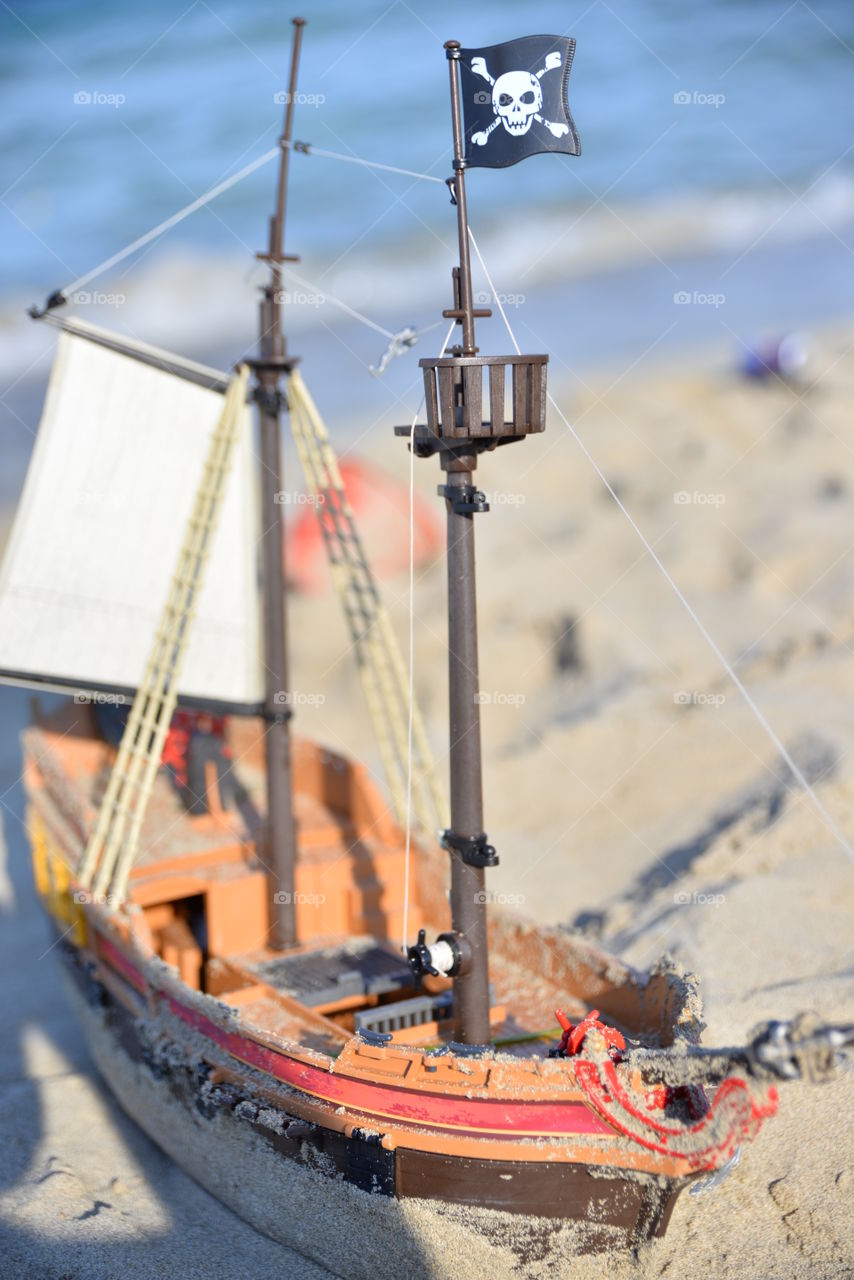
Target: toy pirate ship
[{"x": 229, "y": 901}]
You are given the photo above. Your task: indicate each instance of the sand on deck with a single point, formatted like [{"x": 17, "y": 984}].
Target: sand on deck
[{"x": 628, "y": 791}]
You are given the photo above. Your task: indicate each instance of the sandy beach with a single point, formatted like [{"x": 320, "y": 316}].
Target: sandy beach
[
  {"x": 629, "y": 790},
  {"x": 640, "y": 796}
]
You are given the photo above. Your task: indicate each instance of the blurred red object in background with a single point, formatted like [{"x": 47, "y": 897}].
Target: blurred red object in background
[{"x": 380, "y": 506}]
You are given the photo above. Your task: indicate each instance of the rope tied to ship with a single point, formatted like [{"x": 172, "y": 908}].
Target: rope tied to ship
[{"x": 657, "y": 1097}]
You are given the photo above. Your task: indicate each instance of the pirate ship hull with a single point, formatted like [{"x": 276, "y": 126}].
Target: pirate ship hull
[
  {"x": 273, "y": 1157},
  {"x": 244, "y": 1066}
]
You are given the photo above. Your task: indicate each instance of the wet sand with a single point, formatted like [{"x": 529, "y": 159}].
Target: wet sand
[{"x": 629, "y": 793}]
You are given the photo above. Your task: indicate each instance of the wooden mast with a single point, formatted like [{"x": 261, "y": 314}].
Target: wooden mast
[
  {"x": 270, "y": 367},
  {"x": 468, "y": 896},
  {"x": 468, "y": 412}
]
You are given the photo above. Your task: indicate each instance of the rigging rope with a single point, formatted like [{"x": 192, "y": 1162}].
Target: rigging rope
[
  {"x": 308, "y": 149},
  {"x": 344, "y": 306},
  {"x": 301, "y": 148},
  {"x": 412, "y": 656},
  {"x": 710, "y": 641},
  {"x": 168, "y": 223},
  {"x": 398, "y": 343}
]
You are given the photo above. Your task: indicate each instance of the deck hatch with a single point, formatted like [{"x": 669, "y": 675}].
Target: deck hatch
[{"x": 336, "y": 973}]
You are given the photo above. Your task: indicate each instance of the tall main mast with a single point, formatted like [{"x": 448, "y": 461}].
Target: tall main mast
[
  {"x": 270, "y": 367},
  {"x": 465, "y": 399}
]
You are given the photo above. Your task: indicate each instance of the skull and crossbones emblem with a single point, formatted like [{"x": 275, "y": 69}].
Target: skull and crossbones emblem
[{"x": 517, "y": 99}]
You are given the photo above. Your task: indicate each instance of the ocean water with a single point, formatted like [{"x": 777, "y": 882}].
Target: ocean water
[{"x": 717, "y": 163}]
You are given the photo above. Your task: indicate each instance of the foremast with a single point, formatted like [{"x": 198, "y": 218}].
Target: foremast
[{"x": 271, "y": 367}]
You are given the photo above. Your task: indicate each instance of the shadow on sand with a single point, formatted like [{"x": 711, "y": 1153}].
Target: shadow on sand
[{"x": 83, "y": 1192}]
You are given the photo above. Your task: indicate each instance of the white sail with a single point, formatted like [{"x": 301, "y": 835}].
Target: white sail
[{"x": 114, "y": 472}]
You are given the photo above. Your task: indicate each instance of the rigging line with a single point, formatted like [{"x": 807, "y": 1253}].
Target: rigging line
[
  {"x": 412, "y": 653},
  {"x": 344, "y": 306},
  {"x": 302, "y": 148},
  {"x": 308, "y": 149},
  {"x": 786, "y": 755},
  {"x": 173, "y": 221},
  {"x": 351, "y": 311}
]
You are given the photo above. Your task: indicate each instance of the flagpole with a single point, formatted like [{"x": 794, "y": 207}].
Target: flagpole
[{"x": 466, "y": 318}]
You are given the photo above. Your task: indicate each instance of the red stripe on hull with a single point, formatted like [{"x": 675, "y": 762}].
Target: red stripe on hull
[
  {"x": 470, "y": 1114},
  {"x": 479, "y": 1115},
  {"x": 114, "y": 957}
]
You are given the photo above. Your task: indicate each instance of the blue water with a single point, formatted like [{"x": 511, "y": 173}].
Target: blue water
[
  {"x": 199, "y": 100},
  {"x": 745, "y": 188}
]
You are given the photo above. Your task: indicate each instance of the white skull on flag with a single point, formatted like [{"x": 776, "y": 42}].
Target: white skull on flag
[{"x": 515, "y": 100}]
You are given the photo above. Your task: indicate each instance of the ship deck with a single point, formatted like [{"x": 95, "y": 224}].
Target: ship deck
[{"x": 203, "y": 901}]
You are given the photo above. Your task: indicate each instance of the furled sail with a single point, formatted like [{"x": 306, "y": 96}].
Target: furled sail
[{"x": 111, "y": 484}]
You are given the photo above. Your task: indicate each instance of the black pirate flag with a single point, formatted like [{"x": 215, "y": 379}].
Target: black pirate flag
[{"x": 515, "y": 100}]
